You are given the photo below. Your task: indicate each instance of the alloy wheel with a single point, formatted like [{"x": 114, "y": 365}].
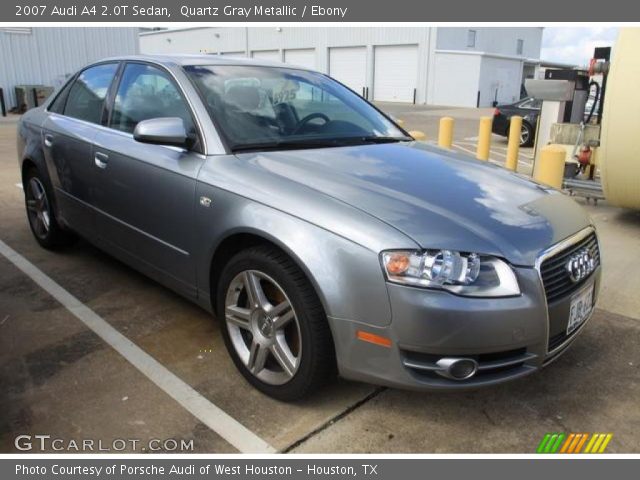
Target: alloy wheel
[
  {"x": 524, "y": 135},
  {"x": 263, "y": 327},
  {"x": 38, "y": 207}
]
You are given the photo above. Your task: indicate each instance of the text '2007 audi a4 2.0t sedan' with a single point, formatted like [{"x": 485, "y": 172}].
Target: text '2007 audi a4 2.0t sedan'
[{"x": 321, "y": 235}]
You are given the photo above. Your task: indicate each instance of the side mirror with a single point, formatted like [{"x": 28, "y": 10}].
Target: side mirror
[{"x": 161, "y": 131}]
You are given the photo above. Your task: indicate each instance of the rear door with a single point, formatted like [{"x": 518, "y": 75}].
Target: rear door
[
  {"x": 145, "y": 194},
  {"x": 68, "y": 134}
]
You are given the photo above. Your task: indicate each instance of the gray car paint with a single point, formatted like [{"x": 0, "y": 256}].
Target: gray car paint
[{"x": 332, "y": 210}]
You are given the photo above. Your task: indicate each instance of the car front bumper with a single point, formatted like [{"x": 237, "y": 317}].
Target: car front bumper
[{"x": 507, "y": 337}]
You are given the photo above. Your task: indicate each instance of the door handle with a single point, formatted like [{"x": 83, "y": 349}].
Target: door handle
[
  {"x": 101, "y": 159},
  {"x": 48, "y": 140}
]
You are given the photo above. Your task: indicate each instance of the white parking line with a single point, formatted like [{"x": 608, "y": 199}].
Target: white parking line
[
  {"x": 216, "y": 419},
  {"x": 471, "y": 152},
  {"x": 19, "y": 185}
]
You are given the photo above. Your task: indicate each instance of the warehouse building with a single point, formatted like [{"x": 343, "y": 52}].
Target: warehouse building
[
  {"x": 453, "y": 66},
  {"x": 47, "y": 56}
]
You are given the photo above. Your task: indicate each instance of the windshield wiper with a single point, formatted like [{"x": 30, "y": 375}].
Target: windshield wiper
[
  {"x": 374, "y": 139},
  {"x": 284, "y": 145},
  {"x": 316, "y": 143}
]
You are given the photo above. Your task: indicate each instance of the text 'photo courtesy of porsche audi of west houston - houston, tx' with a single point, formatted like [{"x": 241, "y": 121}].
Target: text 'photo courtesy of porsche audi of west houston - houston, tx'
[{"x": 320, "y": 234}]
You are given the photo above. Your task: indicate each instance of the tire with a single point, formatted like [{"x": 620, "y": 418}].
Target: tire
[
  {"x": 285, "y": 352},
  {"x": 527, "y": 135},
  {"x": 40, "y": 213}
]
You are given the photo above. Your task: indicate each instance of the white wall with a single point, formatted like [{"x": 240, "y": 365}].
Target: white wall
[
  {"x": 500, "y": 74},
  {"x": 496, "y": 40},
  {"x": 49, "y": 55},
  {"x": 194, "y": 40},
  {"x": 456, "y": 79}
]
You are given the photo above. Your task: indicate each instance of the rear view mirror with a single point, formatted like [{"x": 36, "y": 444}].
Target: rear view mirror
[{"x": 161, "y": 131}]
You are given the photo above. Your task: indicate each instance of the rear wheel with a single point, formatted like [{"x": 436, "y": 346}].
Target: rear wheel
[
  {"x": 42, "y": 220},
  {"x": 274, "y": 325}
]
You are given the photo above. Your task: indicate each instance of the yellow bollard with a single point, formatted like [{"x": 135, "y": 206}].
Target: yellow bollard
[
  {"x": 418, "y": 135},
  {"x": 513, "y": 148},
  {"x": 445, "y": 134},
  {"x": 484, "y": 138},
  {"x": 549, "y": 168}
]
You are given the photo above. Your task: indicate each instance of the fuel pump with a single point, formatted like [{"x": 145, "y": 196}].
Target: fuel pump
[{"x": 571, "y": 112}]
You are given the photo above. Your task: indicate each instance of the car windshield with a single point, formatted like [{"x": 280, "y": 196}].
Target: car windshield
[{"x": 261, "y": 108}]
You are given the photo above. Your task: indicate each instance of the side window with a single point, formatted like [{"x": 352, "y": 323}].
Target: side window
[
  {"x": 147, "y": 92},
  {"x": 57, "y": 106},
  {"x": 87, "y": 94}
]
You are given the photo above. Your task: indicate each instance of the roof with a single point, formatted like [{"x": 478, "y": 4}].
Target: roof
[{"x": 203, "y": 59}]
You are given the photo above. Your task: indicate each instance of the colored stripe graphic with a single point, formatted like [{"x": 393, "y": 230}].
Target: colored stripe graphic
[
  {"x": 574, "y": 443},
  {"x": 556, "y": 445},
  {"x": 590, "y": 444},
  {"x": 565, "y": 447},
  {"x": 606, "y": 441},
  {"x": 576, "y": 440},
  {"x": 543, "y": 443},
  {"x": 581, "y": 442},
  {"x": 552, "y": 440}
]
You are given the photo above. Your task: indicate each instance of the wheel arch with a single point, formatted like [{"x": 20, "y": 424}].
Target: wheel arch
[
  {"x": 27, "y": 164},
  {"x": 240, "y": 240}
]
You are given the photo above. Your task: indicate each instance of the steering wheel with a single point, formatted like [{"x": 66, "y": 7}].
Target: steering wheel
[{"x": 312, "y": 116}]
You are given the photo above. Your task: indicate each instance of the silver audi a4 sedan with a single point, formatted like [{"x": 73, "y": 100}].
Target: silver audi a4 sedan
[{"x": 323, "y": 238}]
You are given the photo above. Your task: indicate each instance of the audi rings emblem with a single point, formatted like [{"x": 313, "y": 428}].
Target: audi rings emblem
[{"x": 580, "y": 265}]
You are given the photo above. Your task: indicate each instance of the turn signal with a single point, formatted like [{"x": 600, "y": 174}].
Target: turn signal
[
  {"x": 373, "y": 338},
  {"x": 397, "y": 263}
]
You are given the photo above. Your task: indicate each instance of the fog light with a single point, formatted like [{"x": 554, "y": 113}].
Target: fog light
[{"x": 457, "y": 368}]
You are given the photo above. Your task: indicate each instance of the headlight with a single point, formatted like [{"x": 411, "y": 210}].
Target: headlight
[{"x": 468, "y": 274}]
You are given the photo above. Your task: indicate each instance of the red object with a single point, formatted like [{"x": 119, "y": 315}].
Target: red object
[
  {"x": 584, "y": 156},
  {"x": 496, "y": 112}
]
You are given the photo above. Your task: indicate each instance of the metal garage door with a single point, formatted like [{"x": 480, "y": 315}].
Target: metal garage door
[
  {"x": 270, "y": 55},
  {"x": 303, "y": 57},
  {"x": 349, "y": 66},
  {"x": 395, "y": 73},
  {"x": 232, "y": 54}
]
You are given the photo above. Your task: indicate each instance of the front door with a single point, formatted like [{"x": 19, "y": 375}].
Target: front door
[{"x": 145, "y": 194}]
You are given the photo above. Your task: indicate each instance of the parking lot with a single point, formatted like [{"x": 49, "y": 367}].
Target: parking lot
[{"x": 58, "y": 377}]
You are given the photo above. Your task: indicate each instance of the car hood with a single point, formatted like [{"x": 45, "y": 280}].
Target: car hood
[{"x": 438, "y": 198}]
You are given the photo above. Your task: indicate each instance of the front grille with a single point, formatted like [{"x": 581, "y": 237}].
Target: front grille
[{"x": 555, "y": 278}]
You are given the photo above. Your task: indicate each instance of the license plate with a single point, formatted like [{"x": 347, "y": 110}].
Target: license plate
[{"x": 581, "y": 306}]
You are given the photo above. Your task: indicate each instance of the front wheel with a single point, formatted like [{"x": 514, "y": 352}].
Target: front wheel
[{"x": 273, "y": 324}]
